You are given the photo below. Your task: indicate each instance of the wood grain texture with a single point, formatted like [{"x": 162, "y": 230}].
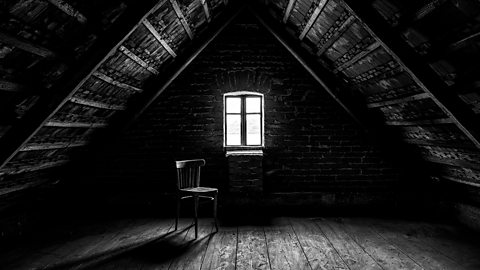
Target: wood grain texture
[{"x": 252, "y": 250}]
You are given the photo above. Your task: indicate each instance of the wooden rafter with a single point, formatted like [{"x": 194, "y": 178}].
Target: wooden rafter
[
  {"x": 50, "y": 146},
  {"x": 359, "y": 56},
  {"x": 460, "y": 181},
  {"x": 137, "y": 59},
  {"x": 182, "y": 18},
  {"x": 43, "y": 110},
  {"x": 453, "y": 162},
  {"x": 398, "y": 100},
  {"x": 206, "y": 10},
  {"x": 313, "y": 18},
  {"x": 420, "y": 122},
  {"x": 112, "y": 81},
  {"x": 157, "y": 35},
  {"x": 32, "y": 168},
  {"x": 69, "y": 10},
  {"x": 10, "y": 86},
  {"x": 96, "y": 104},
  {"x": 336, "y": 35},
  {"x": 53, "y": 123},
  {"x": 370, "y": 19},
  {"x": 25, "y": 45},
  {"x": 288, "y": 10}
]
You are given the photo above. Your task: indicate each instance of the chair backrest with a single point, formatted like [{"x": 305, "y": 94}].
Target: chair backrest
[{"x": 188, "y": 172}]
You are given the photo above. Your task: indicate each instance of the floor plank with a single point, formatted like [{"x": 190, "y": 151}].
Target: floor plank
[
  {"x": 425, "y": 255},
  {"x": 284, "y": 250},
  {"x": 195, "y": 249},
  {"x": 352, "y": 254},
  {"x": 387, "y": 255},
  {"x": 252, "y": 248},
  {"x": 280, "y": 243},
  {"x": 319, "y": 251},
  {"x": 222, "y": 250},
  {"x": 444, "y": 239}
]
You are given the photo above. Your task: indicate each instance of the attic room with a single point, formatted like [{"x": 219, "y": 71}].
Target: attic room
[{"x": 327, "y": 134}]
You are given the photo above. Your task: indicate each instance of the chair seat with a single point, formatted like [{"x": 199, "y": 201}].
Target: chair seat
[{"x": 199, "y": 190}]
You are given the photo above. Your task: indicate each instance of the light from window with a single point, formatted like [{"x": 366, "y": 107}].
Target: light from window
[{"x": 243, "y": 119}]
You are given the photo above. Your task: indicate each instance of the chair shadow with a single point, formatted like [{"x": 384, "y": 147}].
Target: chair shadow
[{"x": 152, "y": 251}]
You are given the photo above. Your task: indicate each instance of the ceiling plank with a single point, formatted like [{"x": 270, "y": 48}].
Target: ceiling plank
[
  {"x": 112, "y": 81},
  {"x": 313, "y": 18},
  {"x": 288, "y": 10},
  {"x": 336, "y": 35},
  {"x": 182, "y": 18},
  {"x": 359, "y": 56},
  {"x": 96, "y": 104},
  {"x": 137, "y": 59},
  {"x": 206, "y": 10},
  {"x": 69, "y": 10},
  {"x": 26, "y": 45},
  {"x": 157, "y": 35}
]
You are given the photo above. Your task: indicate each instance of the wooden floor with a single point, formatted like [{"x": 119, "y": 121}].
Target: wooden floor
[{"x": 279, "y": 243}]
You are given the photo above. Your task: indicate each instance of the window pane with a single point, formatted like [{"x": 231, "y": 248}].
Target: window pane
[
  {"x": 254, "y": 129},
  {"x": 233, "y": 126},
  {"x": 253, "y": 104},
  {"x": 233, "y": 104}
]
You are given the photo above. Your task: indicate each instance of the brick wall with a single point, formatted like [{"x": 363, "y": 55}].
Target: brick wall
[{"x": 311, "y": 144}]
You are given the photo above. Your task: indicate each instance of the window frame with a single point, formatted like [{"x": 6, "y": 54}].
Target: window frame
[{"x": 243, "y": 116}]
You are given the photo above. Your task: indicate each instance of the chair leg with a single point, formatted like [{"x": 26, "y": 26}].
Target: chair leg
[
  {"x": 215, "y": 211},
  {"x": 196, "y": 216},
  {"x": 178, "y": 212}
]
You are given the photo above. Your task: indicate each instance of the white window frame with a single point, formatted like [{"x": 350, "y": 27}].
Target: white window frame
[{"x": 243, "y": 95}]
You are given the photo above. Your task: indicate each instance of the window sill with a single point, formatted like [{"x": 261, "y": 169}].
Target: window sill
[{"x": 250, "y": 151}]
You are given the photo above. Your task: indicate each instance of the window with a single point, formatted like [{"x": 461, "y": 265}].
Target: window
[{"x": 243, "y": 119}]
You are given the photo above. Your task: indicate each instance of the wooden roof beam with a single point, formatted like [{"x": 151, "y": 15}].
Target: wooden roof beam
[
  {"x": 398, "y": 100},
  {"x": 288, "y": 10},
  {"x": 25, "y": 45},
  {"x": 137, "y": 59},
  {"x": 11, "y": 86},
  {"x": 182, "y": 18},
  {"x": 69, "y": 10},
  {"x": 420, "y": 122},
  {"x": 32, "y": 168},
  {"x": 206, "y": 10},
  {"x": 50, "y": 146},
  {"x": 54, "y": 123},
  {"x": 96, "y": 104},
  {"x": 313, "y": 18},
  {"x": 157, "y": 35},
  {"x": 112, "y": 81}
]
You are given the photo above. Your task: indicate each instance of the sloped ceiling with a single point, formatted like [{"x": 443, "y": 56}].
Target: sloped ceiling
[{"x": 59, "y": 87}]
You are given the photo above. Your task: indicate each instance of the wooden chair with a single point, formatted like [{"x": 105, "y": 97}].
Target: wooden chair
[{"x": 188, "y": 186}]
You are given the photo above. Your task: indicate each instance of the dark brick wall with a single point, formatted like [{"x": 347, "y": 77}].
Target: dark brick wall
[{"x": 311, "y": 144}]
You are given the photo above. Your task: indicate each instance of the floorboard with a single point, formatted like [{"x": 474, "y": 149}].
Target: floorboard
[
  {"x": 252, "y": 250},
  {"x": 278, "y": 243}
]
